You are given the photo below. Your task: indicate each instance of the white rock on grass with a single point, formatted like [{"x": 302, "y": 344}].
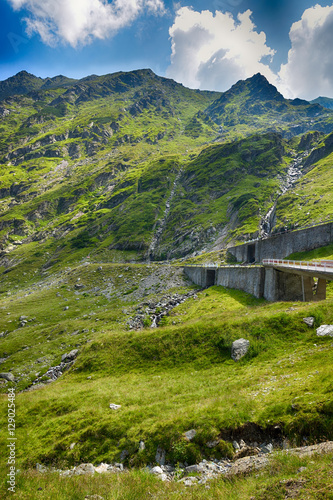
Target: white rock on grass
[
  {"x": 84, "y": 469},
  {"x": 156, "y": 470},
  {"x": 239, "y": 348},
  {"x": 309, "y": 321},
  {"x": 325, "y": 331},
  {"x": 114, "y": 407}
]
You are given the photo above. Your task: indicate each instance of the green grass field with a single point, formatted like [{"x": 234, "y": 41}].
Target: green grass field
[{"x": 167, "y": 380}]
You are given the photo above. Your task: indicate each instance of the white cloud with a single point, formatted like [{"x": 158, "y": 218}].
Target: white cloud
[
  {"x": 309, "y": 70},
  {"x": 214, "y": 51},
  {"x": 79, "y": 21}
]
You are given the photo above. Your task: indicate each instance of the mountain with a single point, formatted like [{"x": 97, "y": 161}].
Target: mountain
[
  {"x": 326, "y": 102},
  {"x": 254, "y": 104},
  {"x": 136, "y": 164},
  {"x": 24, "y": 82},
  {"x": 115, "y": 357}
]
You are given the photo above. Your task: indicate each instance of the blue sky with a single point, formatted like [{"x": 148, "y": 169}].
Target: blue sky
[{"x": 207, "y": 44}]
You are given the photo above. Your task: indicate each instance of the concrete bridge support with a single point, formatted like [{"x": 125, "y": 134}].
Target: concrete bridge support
[
  {"x": 283, "y": 286},
  {"x": 321, "y": 290},
  {"x": 307, "y": 288}
]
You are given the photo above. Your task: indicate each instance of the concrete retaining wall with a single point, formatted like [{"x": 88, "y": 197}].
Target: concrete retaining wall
[
  {"x": 196, "y": 274},
  {"x": 248, "y": 279},
  {"x": 282, "y": 245},
  {"x": 266, "y": 282}
]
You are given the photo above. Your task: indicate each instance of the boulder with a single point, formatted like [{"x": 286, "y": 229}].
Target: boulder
[
  {"x": 8, "y": 376},
  {"x": 325, "y": 331},
  {"x": 239, "y": 348},
  {"x": 194, "y": 468},
  {"x": 190, "y": 434},
  {"x": 69, "y": 356},
  {"x": 309, "y": 321},
  {"x": 84, "y": 469},
  {"x": 156, "y": 470}
]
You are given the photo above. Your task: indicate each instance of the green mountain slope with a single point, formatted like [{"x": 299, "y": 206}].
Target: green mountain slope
[
  {"x": 256, "y": 105},
  {"x": 326, "y": 102},
  {"x": 97, "y": 178},
  {"x": 24, "y": 82},
  {"x": 135, "y": 162}
]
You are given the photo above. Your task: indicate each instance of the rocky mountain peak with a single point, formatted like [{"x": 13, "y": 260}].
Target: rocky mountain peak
[{"x": 260, "y": 88}]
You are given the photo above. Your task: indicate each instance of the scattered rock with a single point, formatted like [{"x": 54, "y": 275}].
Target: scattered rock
[
  {"x": 309, "y": 321},
  {"x": 8, "y": 376},
  {"x": 123, "y": 455},
  {"x": 66, "y": 308},
  {"x": 71, "y": 446},
  {"x": 41, "y": 468},
  {"x": 93, "y": 497},
  {"x": 142, "y": 446},
  {"x": 236, "y": 446},
  {"x": 100, "y": 469},
  {"x": 84, "y": 469},
  {"x": 239, "y": 348},
  {"x": 160, "y": 456},
  {"x": 206, "y": 470},
  {"x": 242, "y": 444},
  {"x": 188, "y": 481},
  {"x": 190, "y": 434},
  {"x": 212, "y": 444},
  {"x": 79, "y": 286},
  {"x": 156, "y": 311},
  {"x": 266, "y": 448},
  {"x": 54, "y": 372},
  {"x": 193, "y": 468},
  {"x": 70, "y": 356},
  {"x": 325, "y": 331},
  {"x": 156, "y": 470},
  {"x": 114, "y": 407}
]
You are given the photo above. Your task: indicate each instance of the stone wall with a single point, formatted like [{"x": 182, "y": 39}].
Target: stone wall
[{"x": 281, "y": 245}]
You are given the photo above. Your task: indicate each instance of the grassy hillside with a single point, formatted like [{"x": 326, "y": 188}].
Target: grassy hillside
[
  {"x": 84, "y": 162},
  {"x": 97, "y": 178},
  {"x": 311, "y": 198},
  {"x": 167, "y": 380},
  {"x": 167, "y": 367}
]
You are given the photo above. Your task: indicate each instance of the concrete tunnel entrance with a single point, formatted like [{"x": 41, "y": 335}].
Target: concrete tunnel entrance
[
  {"x": 210, "y": 277},
  {"x": 251, "y": 253}
]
